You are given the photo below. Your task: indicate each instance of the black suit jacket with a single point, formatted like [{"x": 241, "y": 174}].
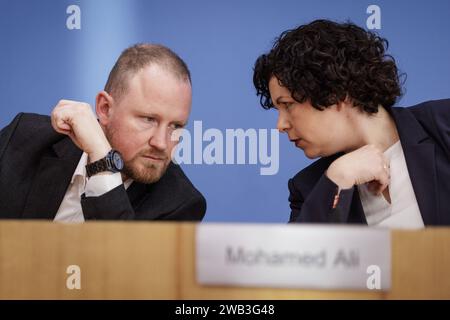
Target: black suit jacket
[
  {"x": 37, "y": 165},
  {"x": 424, "y": 132}
]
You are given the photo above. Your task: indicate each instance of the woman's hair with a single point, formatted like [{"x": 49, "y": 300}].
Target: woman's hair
[{"x": 323, "y": 62}]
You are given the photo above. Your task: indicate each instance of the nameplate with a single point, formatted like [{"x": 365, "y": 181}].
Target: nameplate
[{"x": 293, "y": 256}]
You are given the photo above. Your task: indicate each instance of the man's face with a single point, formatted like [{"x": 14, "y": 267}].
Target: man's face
[
  {"x": 317, "y": 133},
  {"x": 141, "y": 123}
]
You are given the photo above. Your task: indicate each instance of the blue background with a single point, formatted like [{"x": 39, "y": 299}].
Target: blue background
[{"x": 42, "y": 62}]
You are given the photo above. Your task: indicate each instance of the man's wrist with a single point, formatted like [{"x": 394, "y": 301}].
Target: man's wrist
[{"x": 98, "y": 154}]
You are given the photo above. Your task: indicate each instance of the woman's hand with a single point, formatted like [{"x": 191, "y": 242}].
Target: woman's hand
[{"x": 367, "y": 164}]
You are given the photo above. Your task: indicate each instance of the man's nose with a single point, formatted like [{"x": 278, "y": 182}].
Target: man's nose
[
  {"x": 282, "y": 123},
  {"x": 159, "y": 138}
]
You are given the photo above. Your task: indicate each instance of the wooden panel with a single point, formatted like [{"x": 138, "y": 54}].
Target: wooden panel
[
  {"x": 157, "y": 261},
  {"x": 421, "y": 264},
  {"x": 117, "y": 260}
]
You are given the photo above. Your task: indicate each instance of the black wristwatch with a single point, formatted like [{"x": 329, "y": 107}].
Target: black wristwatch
[{"x": 112, "y": 162}]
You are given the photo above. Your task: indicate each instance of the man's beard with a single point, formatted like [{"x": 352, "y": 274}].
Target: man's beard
[{"x": 144, "y": 172}]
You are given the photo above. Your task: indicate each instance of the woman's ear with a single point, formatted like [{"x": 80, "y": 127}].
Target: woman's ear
[
  {"x": 345, "y": 104},
  {"x": 103, "y": 107}
]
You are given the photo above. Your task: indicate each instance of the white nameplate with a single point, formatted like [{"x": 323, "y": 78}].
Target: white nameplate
[{"x": 293, "y": 256}]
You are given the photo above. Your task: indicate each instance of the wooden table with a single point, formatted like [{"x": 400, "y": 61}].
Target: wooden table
[{"x": 126, "y": 260}]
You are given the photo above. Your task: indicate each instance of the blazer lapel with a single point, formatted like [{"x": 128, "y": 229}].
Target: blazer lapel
[
  {"x": 356, "y": 214},
  {"x": 420, "y": 159},
  {"x": 135, "y": 193},
  {"x": 51, "y": 181},
  {"x": 138, "y": 193}
]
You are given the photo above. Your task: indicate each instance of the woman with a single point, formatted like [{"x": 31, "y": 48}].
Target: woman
[{"x": 334, "y": 88}]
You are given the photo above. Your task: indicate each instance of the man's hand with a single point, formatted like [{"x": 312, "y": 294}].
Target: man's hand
[
  {"x": 77, "y": 120},
  {"x": 366, "y": 164}
]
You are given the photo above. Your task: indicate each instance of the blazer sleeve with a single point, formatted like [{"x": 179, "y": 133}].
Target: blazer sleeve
[
  {"x": 317, "y": 206},
  {"x": 6, "y": 133},
  {"x": 115, "y": 205},
  {"x": 192, "y": 210},
  {"x": 440, "y": 113},
  {"x": 112, "y": 205}
]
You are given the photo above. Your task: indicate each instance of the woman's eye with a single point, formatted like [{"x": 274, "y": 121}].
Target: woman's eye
[{"x": 288, "y": 105}]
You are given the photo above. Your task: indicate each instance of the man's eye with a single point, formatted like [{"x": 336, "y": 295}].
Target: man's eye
[
  {"x": 149, "y": 119},
  {"x": 176, "y": 126}
]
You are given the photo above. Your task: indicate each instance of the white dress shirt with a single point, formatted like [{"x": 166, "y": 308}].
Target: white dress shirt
[
  {"x": 70, "y": 208},
  {"x": 403, "y": 211}
]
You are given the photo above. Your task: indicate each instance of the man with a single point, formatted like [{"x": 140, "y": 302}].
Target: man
[
  {"x": 75, "y": 166},
  {"x": 334, "y": 88}
]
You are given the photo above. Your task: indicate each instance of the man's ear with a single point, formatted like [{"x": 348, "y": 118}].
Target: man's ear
[{"x": 103, "y": 107}]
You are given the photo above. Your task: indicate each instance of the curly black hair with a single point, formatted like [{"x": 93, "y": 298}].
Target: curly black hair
[{"x": 325, "y": 61}]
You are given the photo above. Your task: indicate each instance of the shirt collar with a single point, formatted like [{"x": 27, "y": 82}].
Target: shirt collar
[{"x": 80, "y": 170}]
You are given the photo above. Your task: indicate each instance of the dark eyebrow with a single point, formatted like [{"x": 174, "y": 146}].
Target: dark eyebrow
[{"x": 281, "y": 97}]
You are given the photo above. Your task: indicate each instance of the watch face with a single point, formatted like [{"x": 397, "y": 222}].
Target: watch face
[{"x": 117, "y": 160}]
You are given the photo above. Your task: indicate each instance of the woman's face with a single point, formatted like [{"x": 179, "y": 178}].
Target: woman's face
[{"x": 317, "y": 133}]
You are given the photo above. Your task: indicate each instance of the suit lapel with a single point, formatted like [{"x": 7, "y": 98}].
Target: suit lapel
[
  {"x": 140, "y": 192},
  {"x": 135, "y": 193},
  {"x": 356, "y": 214},
  {"x": 420, "y": 160},
  {"x": 51, "y": 181}
]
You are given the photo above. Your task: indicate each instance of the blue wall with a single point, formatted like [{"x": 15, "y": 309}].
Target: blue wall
[{"x": 42, "y": 61}]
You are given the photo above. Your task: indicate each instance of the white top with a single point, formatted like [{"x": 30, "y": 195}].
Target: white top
[
  {"x": 70, "y": 208},
  {"x": 403, "y": 212}
]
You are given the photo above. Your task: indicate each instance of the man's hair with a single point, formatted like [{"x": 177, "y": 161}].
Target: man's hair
[
  {"x": 139, "y": 56},
  {"x": 323, "y": 62}
]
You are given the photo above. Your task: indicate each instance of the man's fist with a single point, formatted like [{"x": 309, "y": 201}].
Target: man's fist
[{"x": 77, "y": 120}]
